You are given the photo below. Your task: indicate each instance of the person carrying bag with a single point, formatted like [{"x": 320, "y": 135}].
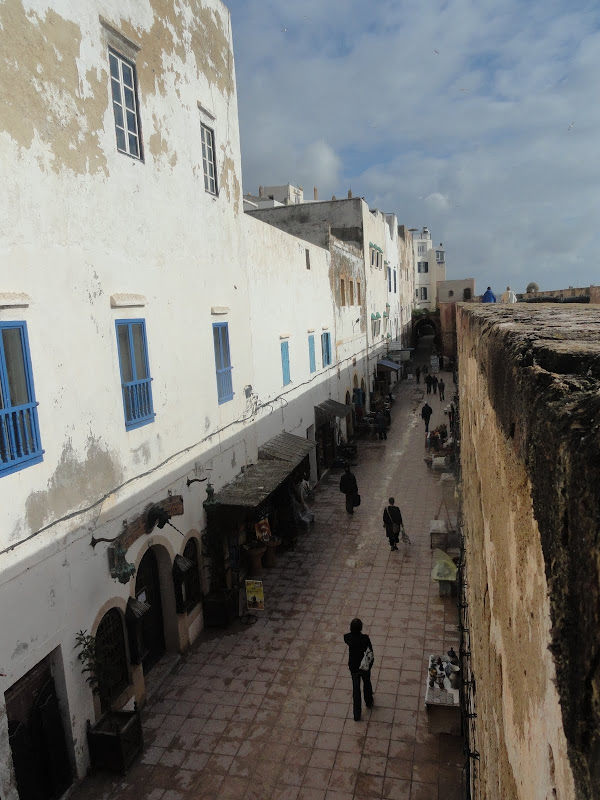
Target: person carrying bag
[
  {"x": 392, "y": 521},
  {"x": 360, "y": 661}
]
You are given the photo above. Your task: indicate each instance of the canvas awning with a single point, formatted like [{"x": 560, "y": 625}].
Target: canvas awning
[
  {"x": 384, "y": 364},
  {"x": 252, "y": 487},
  {"x": 330, "y": 409},
  {"x": 286, "y": 447}
]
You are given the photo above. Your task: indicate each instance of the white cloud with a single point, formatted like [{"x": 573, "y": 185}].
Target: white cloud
[{"x": 352, "y": 94}]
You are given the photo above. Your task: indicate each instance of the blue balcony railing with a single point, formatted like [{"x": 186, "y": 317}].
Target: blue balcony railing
[
  {"x": 224, "y": 384},
  {"x": 137, "y": 399},
  {"x": 19, "y": 436}
]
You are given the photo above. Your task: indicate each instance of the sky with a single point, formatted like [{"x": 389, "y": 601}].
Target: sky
[{"x": 477, "y": 118}]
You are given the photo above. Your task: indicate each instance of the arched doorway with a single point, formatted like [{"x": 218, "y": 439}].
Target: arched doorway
[
  {"x": 147, "y": 590},
  {"x": 110, "y": 647}
]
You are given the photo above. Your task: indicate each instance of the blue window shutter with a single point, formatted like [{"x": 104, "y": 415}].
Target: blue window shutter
[
  {"x": 311, "y": 354},
  {"x": 136, "y": 383},
  {"x": 20, "y": 443},
  {"x": 329, "y": 348},
  {"x": 223, "y": 362},
  {"x": 285, "y": 363}
]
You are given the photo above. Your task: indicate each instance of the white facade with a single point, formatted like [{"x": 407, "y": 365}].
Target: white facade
[
  {"x": 430, "y": 267},
  {"x": 95, "y": 236}
]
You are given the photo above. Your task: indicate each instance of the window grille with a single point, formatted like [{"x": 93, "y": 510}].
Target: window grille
[{"x": 123, "y": 84}]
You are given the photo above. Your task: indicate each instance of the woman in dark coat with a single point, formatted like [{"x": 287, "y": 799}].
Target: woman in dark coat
[
  {"x": 358, "y": 642},
  {"x": 392, "y": 520}
]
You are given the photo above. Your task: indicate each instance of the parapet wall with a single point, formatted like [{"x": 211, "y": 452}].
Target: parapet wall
[{"x": 530, "y": 456}]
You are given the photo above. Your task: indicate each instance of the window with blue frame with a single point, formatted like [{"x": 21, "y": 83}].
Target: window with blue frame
[
  {"x": 285, "y": 362},
  {"x": 223, "y": 361},
  {"x": 20, "y": 444},
  {"x": 135, "y": 372},
  {"x": 311, "y": 353},
  {"x": 326, "y": 348}
]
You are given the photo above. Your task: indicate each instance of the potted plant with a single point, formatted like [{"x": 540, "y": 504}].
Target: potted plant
[{"x": 117, "y": 738}]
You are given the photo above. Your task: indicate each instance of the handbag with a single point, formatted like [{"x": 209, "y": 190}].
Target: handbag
[
  {"x": 356, "y": 500},
  {"x": 367, "y": 660}
]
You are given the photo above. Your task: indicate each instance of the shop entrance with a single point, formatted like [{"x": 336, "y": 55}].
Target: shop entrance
[
  {"x": 147, "y": 590},
  {"x": 37, "y": 737}
]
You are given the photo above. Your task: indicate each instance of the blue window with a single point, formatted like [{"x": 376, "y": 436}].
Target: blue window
[
  {"x": 395, "y": 282},
  {"x": 20, "y": 444},
  {"x": 311, "y": 353},
  {"x": 326, "y": 348},
  {"x": 135, "y": 372},
  {"x": 223, "y": 361},
  {"x": 285, "y": 362}
]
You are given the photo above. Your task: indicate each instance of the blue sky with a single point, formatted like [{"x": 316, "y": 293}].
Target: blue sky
[{"x": 493, "y": 141}]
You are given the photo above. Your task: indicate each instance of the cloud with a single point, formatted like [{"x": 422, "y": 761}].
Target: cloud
[{"x": 473, "y": 142}]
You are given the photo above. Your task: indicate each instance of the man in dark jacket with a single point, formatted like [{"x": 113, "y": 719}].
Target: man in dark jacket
[
  {"x": 418, "y": 374},
  {"x": 426, "y": 413},
  {"x": 428, "y": 381},
  {"x": 380, "y": 425},
  {"x": 358, "y": 642},
  {"x": 434, "y": 383},
  {"x": 392, "y": 520},
  {"x": 442, "y": 389},
  {"x": 349, "y": 487}
]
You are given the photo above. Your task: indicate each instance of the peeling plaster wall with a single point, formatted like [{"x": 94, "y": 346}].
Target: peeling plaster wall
[
  {"x": 80, "y": 222},
  {"x": 530, "y": 457}
]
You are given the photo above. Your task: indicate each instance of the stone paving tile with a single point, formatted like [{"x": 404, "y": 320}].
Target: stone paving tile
[{"x": 264, "y": 712}]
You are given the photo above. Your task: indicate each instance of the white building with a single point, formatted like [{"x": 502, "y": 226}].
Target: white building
[
  {"x": 430, "y": 267},
  {"x": 152, "y": 336}
]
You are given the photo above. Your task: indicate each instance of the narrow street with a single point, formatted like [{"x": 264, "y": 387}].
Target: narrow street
[{"x": 264, "y": 712}]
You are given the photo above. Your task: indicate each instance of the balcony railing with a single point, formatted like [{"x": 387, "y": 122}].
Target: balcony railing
[
  {"x": 137, "y": 399},
  {"x": 19, "y": 436}
]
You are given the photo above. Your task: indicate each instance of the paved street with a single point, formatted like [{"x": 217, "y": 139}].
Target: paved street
[{"x": 264, "y": 712}]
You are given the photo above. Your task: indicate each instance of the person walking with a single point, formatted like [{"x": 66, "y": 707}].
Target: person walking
[
  {"x": 418, "y": 374},
  {"x": 380, "y": 425},
  {"x": 434, "y": 383},
  {"x": 349, "y": 487},
  {"x": 392, "y": 522},
  {"x": 429, "y": 382},
  {"x": 426, "y": 413},
  {"x": 441, "y": 388},
  {"x": 358, "y": 644},
  {"x": 425, "y": 370}
]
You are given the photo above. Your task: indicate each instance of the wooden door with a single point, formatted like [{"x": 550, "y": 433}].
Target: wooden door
[{"x": 147, "y": 589}]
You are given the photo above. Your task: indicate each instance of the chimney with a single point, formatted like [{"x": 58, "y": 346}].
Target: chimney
[
  {"x": 261, "y": 191},
  {"x": 315, "y": 193},
  {"x": 349, "y": 194}
]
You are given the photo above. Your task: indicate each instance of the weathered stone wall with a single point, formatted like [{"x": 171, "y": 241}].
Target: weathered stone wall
[{"x": 530, "y": 420}]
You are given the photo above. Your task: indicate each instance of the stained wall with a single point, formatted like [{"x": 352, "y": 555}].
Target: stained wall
[{"x": 530, "y": 456}]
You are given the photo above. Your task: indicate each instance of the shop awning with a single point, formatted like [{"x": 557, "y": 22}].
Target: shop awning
[
  {"x": 388, "y": 365},
  {"x": 253, "y": 486},
  {"x": 286, "y": 447},
  {"x": 330, "y": 409}
]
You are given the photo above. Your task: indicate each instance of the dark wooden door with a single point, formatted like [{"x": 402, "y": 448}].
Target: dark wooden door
[
  {"x": 147, "y": 589},
  {"x": 37, "y": 737}
]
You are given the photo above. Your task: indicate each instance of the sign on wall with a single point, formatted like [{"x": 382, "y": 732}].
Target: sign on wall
[{"x": 255, "y": 596}]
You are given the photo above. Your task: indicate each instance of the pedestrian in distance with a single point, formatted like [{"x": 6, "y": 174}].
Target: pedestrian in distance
[
  {"x": 434, "y": 383},
  {"x": 488, "y": 296},
  {"x": 429, "y": 382},
  {"x": 418, "y": 374},
  {"x": 360, "y": 653},
  {"x": 349, "y": 487},
  {"x": 425, "y": 370},
  {"x": 380, "y": 425},
  {"x": 426, "y": 413},
  {"x": 441, "y": 388}
]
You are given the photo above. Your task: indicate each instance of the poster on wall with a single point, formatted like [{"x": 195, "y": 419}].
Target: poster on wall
[
  {"x": 435, "y": 365},
  {"x": 255, "y": 596},
  {"x": 263, "y": 529}
]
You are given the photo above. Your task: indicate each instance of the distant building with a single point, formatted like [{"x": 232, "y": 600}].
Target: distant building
[{"x": 430, "y": 267}]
